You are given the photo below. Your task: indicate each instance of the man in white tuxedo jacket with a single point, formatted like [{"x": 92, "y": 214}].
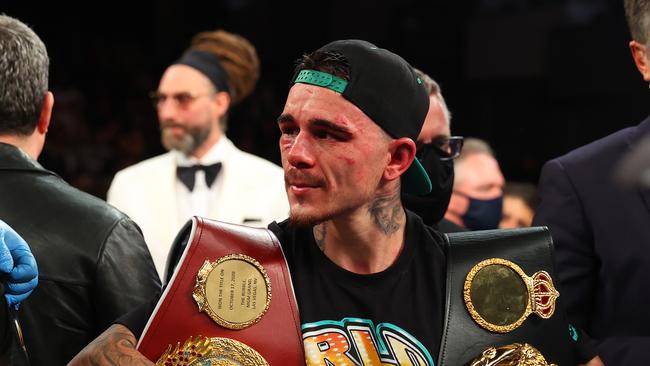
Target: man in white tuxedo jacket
[{"x": 203, "y": 173}]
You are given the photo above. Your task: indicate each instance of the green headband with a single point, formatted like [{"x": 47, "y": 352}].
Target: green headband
[{"x": 323, "y": 79}]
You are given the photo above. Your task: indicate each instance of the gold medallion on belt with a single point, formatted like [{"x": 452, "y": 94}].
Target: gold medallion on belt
[
  {"x": 235, "y": 292},
  {"x": 500, "y": 296}
]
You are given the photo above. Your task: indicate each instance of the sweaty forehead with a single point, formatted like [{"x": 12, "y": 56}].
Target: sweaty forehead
[{"x": 309, "y": 102}]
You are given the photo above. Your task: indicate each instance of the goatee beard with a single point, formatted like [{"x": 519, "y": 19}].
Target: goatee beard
[
  {"x": 189, "y": 142},
  {"x": 305, "y": 221},
  {"x": 185, "y": 144}
]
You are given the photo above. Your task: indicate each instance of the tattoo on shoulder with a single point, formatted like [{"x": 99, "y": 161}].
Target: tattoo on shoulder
[
  {"x": 386, "y": 213},
  {"x": 319, "y": 235}
]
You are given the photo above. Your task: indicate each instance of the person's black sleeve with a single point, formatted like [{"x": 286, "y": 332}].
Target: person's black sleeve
[
  {"x": 586, "y": 347},
  {"x": 5, "y": 328},
  {"x": 575, "y": 260},
  {"x": 137, "y": 319},
  {"x": 126, "y": 276}
]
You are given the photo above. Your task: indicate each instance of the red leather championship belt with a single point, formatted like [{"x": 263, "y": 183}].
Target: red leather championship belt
[{"x": 230, "y": 301}]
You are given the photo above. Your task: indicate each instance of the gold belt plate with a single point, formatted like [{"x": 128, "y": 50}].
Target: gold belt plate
[
  {"x": 500, "y": 296},
  {"x": 205, "y": 351},
  {"x": 235, "y": 291}
]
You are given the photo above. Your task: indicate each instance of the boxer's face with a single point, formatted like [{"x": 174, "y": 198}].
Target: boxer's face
[{"x": 333, "y": 155}]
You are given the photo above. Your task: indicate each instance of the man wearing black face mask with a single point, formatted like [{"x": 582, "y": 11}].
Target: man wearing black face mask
[
  {"x": 477, "y": 195},
  {"x": 436, "y": 151}
]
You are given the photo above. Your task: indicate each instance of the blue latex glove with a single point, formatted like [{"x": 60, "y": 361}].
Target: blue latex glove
[{"x": 18, "y": 270}]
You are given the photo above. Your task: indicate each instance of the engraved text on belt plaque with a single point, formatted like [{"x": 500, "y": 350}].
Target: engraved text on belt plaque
[{"x": 235, "y": 291}]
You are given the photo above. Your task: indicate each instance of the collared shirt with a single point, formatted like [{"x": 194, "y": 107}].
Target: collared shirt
[{"x": 198, "y": 201}]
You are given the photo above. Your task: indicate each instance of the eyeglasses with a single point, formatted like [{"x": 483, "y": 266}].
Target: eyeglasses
[
  {"x": 446, "y": 148},
  {"x": 451, "y": 146},
  {"x": 182, "y": 99}
]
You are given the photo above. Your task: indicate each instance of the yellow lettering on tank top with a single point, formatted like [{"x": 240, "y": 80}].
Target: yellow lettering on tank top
[{"x": 327, "y": 349}]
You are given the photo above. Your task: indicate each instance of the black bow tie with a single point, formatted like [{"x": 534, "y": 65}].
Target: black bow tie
[{"x": 187, "y": 173}]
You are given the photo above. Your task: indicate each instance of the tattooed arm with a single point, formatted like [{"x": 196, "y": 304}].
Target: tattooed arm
[{"x": 116, "y": 346}]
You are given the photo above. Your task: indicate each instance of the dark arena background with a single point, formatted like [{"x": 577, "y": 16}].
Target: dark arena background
[{"x": 535, "y": 78}]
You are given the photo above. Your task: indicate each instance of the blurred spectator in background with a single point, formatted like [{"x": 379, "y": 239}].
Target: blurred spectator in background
[
  {"x": 477, "y": 196},
  {"x": 519, "y": 203},
  {"x": 203, "y": 173},
  {"x": 437, "y": 123},
  {"x": 92, "y": 260},
  {"x": 601, "y": 231},
  {"x": 436, "y": 149}
]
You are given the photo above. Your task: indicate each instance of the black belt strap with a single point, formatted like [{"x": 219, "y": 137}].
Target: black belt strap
[{"x": 531, "y": 249}]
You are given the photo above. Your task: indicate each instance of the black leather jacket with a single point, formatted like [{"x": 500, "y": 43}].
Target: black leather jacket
[
  {"x": 93, "y": 262},
  {"x": 11, "y": 350}
]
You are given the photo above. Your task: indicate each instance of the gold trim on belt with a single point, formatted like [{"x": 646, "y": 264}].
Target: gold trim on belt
[
  {"x": 500, "y": 296},
  {"x": 235, "y": 291},
  {"x": 202, "y": 351}
]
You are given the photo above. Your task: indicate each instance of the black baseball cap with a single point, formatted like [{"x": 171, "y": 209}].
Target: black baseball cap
[{"x": 387, "y": 89}]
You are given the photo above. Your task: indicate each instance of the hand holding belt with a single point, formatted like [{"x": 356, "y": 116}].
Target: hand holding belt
[{"x": 187, "y": 174}]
